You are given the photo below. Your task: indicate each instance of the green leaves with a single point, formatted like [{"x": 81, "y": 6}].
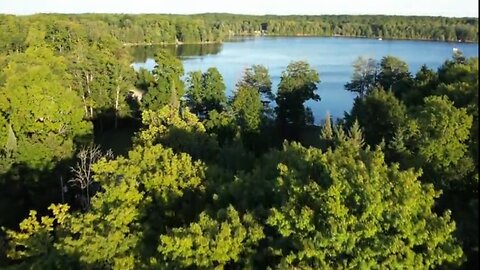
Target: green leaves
[
  {"x": 365, "y": 73},
  {"x": 443, "y": 129},
  {"x": 381, "y": 114},
  {"x": 167, "y": 86},
  {"x": 182, "y": 199},
  {"x": 298, "y": 84},
  {"x": 248, "y": 109},
  {"x": 212, "y": 242},
  {"x": 111, "y": 232},
  {"x": 44, "y": 114},
  {"x": 35, "y": 237},
  {"x": 205, "y": 92},
  {"x": 179, "y": 129},
  {"x": 300, "y": 79},
  {"x": 257, "y": 77},
  {"x": 346, "y": 208}
]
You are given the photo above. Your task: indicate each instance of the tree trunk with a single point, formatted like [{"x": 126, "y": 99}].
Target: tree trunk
[
  {"x": 85, "y": 105},
  {"x": 116, "y": 106},
  {"x": 89, "y": 79}
]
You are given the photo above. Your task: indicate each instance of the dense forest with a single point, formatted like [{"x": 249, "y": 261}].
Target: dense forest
[
  {"x": 65, "y": 31},
  {"x": 105, "y": 167}
]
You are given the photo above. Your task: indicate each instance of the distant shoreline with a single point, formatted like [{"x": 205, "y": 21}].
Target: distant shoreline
[
  {"x": 130, "y": 44},
  {"x": 179, "y": 43}
]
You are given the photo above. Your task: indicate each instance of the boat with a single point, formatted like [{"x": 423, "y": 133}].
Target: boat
[
  {"x": 379, "y": 38},
  {"x": 455, "y": 49}
]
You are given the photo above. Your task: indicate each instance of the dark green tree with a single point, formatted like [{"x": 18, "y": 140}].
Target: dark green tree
[
  {"x": 394, "y": 75},
  {"x": 167, "y": 73},
  {"x": 380, "y": 114},
  {"x": 205, "y": 92},
  {"x": 298, "y": 84}
]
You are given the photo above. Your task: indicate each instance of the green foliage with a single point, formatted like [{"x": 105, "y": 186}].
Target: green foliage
[
  {"x": 248, "y": 108},
  {"x": 205, "y": 92},
  {"x": 217, "y": 194},
  {"x": 213, "y": 242},
  {"x": 13, "y": 33},
  {"x": 394, "y": 75},
  {"x": 298, "y": 208},
  {"x": 102, "y": 81},
  {"x": 442, "y": 133},
  {"x": 35, "y": 238},
  {"x": 223, "y": 125},
  {"x": 257, "y": 77},
  {"x": 45, "y": 115},
  {"x": 8, "y": 145},
  {"x": 326, "y": 133},
  {"x": 433, "y": 128},
  {"x": 109, "y": 233},
  {"x": 168, "y": 86},
  {"x": 298, "y": 84},
  {"x": 364, "y": 76},
  {"x": 328, "y": 217},
  {"x": 63, "y": 32},
  {"x": 423, "y": 85},
  {"x": 178, "y": 129},
  {"x": 381, "y": 114}
]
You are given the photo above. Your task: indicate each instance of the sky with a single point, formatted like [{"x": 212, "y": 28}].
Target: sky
[{"x": 448, "y": 8}]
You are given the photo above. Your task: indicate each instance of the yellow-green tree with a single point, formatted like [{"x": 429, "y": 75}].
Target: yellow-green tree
[{"x": 43, "y": 114}]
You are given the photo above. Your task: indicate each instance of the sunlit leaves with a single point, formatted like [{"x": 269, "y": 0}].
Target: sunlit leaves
[
  {"x": 44, "y": 113},
  {"x": 212, "y": 242}
]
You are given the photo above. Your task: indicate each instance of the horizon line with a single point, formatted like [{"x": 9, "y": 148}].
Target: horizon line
[{"x": 237, "y": 14}]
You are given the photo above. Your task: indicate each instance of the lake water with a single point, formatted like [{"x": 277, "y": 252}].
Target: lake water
[{"x": 331, "y": 57}]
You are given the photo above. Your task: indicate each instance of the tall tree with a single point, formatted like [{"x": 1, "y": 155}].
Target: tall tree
[
  {"x": 344, "y": 215},
  {"x": 206, "y": 92},
  {"x": 441, "y": 142},
  {"x": 248, "y": 108},
  {"x": 394, "y": 75},
  {"x": 167, "y": 73},
  {"x": 257, "y": 77},
  {"x": 298, "y": 84},
  {"x": 365, "y": 73},
  {"x": 178, "y": 129},
  {"x": 103, "y": 78}
]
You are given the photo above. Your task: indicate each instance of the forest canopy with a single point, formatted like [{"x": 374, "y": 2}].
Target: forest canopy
[
  {"x": 107, "y": 167},
  {"x": 64, "y": 31}
]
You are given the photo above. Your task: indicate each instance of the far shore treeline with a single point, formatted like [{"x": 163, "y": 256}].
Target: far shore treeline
[{"x": 209, "y": 28}]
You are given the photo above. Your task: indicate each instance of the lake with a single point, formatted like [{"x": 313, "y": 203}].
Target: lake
[{"x": 332, "y": 57}]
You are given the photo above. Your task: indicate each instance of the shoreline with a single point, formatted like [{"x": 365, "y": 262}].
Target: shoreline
[
  {"x": 179, "y": 43},
  {"x": 130, "y": 44}
]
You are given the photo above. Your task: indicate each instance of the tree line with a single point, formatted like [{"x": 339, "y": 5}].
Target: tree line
[
  {"x": 63, "y": 31},
  {"x": 231, "y": 183}
]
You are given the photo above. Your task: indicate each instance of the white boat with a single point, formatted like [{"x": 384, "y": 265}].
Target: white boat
[
  {"x": 379, "y": 38},
  {"x": 455, "y": 49}
]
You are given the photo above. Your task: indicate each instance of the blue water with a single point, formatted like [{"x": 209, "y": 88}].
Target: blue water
[{"x": 331, "y": 57}]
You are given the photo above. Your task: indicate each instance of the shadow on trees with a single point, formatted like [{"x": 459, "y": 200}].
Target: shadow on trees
[{"x": 117, "y": 137}]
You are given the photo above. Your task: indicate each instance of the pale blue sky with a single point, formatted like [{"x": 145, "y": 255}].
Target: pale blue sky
[{"x": 450, "y": 8}]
